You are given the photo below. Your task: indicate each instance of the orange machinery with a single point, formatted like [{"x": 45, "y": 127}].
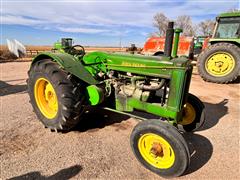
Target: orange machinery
[{"x": 155, "y": 46}]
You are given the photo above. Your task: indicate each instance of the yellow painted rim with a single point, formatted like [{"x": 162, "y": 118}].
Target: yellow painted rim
[
  {"x": 46, "y": 98},
  {"x": 156, "y": 151},
  {"x": 189, "y": 114},
  {"x": 220, "y": 64}
]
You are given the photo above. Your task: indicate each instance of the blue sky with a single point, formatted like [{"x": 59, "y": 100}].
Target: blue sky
[{"x": 92, "y": 22}]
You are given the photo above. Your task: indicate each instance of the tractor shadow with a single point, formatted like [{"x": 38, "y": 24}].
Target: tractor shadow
[
  {"x": 200, "y": 147},
  {"x": 213, "y": 113},
  {"x": 201, "y": 150},
  {"x": 236, "y": 81},
  {"x": 60, "y": 175},
  {"x": 7, "y": 89},
  {"x": 97, "y": 119}
]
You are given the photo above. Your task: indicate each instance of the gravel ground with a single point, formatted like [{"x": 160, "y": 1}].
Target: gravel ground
[{"x": 99, "y": 147}]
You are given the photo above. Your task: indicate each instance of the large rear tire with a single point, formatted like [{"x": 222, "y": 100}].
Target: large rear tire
[
  {"x": 56, "y": 96},
  {"x": 219, "y": 63},
  {"x": 160, "y": 148}
]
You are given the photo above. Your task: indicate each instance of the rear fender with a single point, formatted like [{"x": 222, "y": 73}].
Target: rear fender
[
  {"x": 69, "y": 64},
  {"x": 231, "y": 41}
]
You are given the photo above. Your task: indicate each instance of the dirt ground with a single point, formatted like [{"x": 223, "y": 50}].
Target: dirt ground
[{"x": 99, "y": 146}]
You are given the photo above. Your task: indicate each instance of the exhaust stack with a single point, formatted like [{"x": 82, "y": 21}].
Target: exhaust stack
[{"x": 169, "y": 39}]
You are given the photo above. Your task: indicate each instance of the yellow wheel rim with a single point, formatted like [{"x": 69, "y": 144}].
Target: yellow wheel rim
[
  {"x": 46, "y": 98},
  {"x": 220, "y": 64},
  {"x": 189, "y": 114},
  {"x": 156, "y": 151}
]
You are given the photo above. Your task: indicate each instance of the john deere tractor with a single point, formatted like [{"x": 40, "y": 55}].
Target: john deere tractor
[
  {"x": 220, "y": 62},
  {"x": 62, "y": 85}
]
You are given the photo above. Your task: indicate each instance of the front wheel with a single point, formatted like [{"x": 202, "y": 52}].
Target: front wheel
[
  {"x": 193, "y": 114},
  {"x": 160, "y": 148}
]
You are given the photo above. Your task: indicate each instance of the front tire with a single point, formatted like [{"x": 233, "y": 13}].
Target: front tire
[
  {"x": 160, "y": 148},
  {"x": 55, "y": 95},
  {"x": 219, "y": 63},
  {"x": 193, "y": 114}
]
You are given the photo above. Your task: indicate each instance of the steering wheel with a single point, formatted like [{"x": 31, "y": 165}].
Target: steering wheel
[{"x": 79, "y": 52}]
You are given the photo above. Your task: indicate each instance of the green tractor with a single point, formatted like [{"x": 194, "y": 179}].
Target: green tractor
[
  {"x": 220, "y": 62},
  {"x": 64, "y": 84},
  {"x": 198, "y": 42}
]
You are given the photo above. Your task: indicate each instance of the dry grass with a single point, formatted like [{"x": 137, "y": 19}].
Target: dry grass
[
  {"x": 5, "y": 55},
  {"x": 88, "y": 48}
]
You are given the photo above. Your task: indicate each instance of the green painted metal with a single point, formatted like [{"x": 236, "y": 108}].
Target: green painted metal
[
  {"x": 69, "y": 63},
  {"x": 90, "y": 67},
  {"x": 230, "y": 14},
  {"x": 95, "y": 95},
  {"x": 176, "y": 41},
  {"x": 233, "y": 40},
  {"x": 143, "y": 65},
  {"x": 94, "y": 62},
  {"x": 57, "y": 45},
  {"x": 175, "y": 69},
  {"x": 230, "y": 21},
  {"x": 153, "y": 109},
  {"x": 179, "y": 86},
  {"x": 91, "y": 64},
  {"x": 198, "y": 41}
]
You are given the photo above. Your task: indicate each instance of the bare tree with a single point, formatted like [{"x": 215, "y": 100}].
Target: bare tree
[
  {"x": 153, "y": 34},
  {"x": 206, "y": 27},
  {"x": 185, "y": 23},
  {"x": 160, "y": 21},
  {"x": 233, "y": 10}
]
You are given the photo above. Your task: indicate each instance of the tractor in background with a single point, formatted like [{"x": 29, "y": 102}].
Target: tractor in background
[
  {"x": 220, "y": 61},
  {"x": 66, "y": 46},
  {"x": 200, "y": 43},
  {"x": 218, "y": 56}
]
